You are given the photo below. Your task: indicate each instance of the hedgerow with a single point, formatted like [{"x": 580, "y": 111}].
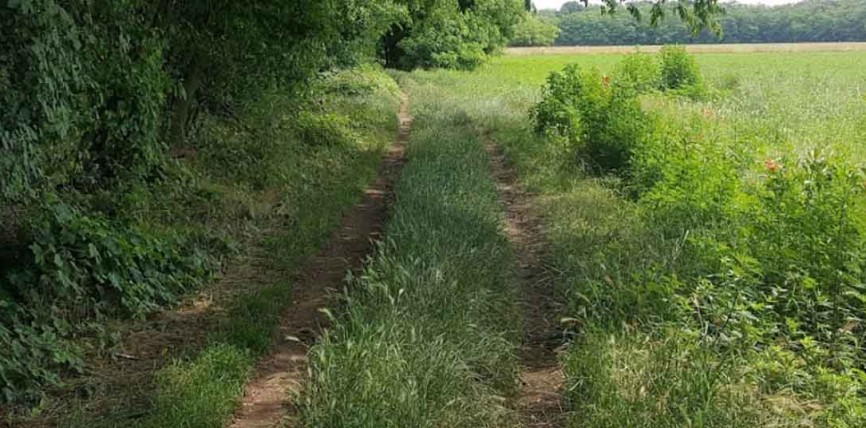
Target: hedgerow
[{"x": 99, "y": 97}]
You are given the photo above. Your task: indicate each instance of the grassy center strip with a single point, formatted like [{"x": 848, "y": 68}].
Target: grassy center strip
[{"x": 426, "y": 336}]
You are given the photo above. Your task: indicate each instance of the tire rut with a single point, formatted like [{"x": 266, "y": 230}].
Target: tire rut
[
  {"x": 278, "y": 379},
  {"x": 539, "y": 403}
]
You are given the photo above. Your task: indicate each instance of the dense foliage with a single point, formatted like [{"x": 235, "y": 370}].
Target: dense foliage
[
  {"x": 599, "y": 117},
  {"x": 449, "y": 33},
  {"x": 534, "y": 31},
  {"x": 808, "y": 21},
  {"x": 98, "y": 98}
]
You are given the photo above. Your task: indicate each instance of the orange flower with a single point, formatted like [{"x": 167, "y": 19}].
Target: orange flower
[
  {"x": 605, "y": 80},
  {"x": 772, "y": 165}
]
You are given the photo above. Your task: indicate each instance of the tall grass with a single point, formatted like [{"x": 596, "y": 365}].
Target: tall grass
[{"x": 425, "y": 337}]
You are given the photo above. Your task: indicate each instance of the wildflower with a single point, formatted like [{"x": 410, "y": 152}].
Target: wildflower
[
  {"x": 605, "y": 80},
  {"x": 772, "y": 165}
]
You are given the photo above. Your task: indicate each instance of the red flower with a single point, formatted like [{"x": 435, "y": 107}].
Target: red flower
[{"x": 772, "y": 165}]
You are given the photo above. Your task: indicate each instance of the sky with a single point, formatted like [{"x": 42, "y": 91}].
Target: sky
[{"x": 555, "y": 4}]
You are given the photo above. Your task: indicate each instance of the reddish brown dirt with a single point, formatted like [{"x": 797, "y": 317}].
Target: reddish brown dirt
[
  {"x": 268, "y": 399},
  {"x": 539, "y": 403}
]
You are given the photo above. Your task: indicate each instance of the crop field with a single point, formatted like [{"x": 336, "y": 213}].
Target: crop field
[{"x": 698, "y": 48}]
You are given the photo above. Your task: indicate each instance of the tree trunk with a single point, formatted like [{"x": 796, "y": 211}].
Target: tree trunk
[{"x": 182, "y": 105}]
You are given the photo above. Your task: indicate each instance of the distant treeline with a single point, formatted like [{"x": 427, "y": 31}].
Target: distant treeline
[{"x": 808, "y": 21}]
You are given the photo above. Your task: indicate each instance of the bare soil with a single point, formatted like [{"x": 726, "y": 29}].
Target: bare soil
[
  {"x": 269, "y": 398},
  {"x": 540, "y": 402}
]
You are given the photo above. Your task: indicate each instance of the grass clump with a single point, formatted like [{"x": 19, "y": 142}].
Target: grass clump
[
  {"x": 425, "y": 337},
  {"x": 200, "y": 393},
  {"x": 635, "y": 380}
]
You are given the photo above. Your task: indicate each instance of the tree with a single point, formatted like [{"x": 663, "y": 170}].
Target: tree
[
  {"x": 534, "y": 31},
  {"x": 571, "y": 7},
  {"x": 450, "y": 33},
  {"x": 811, "y": 21}
]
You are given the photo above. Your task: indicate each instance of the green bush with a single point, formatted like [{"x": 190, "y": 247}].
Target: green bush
[
  {"x": 81, "y": 269},
  {"x": 32, "y": 352},
  {"x": 638, "y": 73},
  {"x": 557, "y": 113},
  {"x": 450, "y": 34},
  {"x": 602, "y": 120},
  {"x": 678, "y": 69}
]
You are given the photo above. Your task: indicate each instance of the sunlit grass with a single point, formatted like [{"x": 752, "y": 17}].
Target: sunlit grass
[{"x": 426, "y": 337}]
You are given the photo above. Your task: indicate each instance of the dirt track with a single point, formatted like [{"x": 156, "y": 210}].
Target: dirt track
[
  {"x": 268, "y": 399},
  {"x": 540, "y": 402}
]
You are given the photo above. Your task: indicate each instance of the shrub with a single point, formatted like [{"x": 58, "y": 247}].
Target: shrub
[
  {"x": 638, "y": 73},
  {"x": 809, "y": 236},
  {"x": 80, "y": 269},
  {"x": 759, "y": 264},
  {"x": 678, "y": 69},
  {"x": 557, "y": 113},
  {"x": 91, "y": 267},
  {"x": 31, "y": 352},
  {"x": 602, "y": 121}
]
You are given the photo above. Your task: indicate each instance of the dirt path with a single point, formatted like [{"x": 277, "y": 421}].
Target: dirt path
[
  {"x": 279, "y": 376},
  {"x": 540, "y": 402}
]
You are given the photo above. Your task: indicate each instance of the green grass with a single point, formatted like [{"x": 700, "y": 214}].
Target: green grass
[
  {"x": 638, "y": 274},
  {"x": 426, "y": 336}
]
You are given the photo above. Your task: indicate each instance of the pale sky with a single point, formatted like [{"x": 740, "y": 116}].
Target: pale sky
[{"x": 556, "y": 4}]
